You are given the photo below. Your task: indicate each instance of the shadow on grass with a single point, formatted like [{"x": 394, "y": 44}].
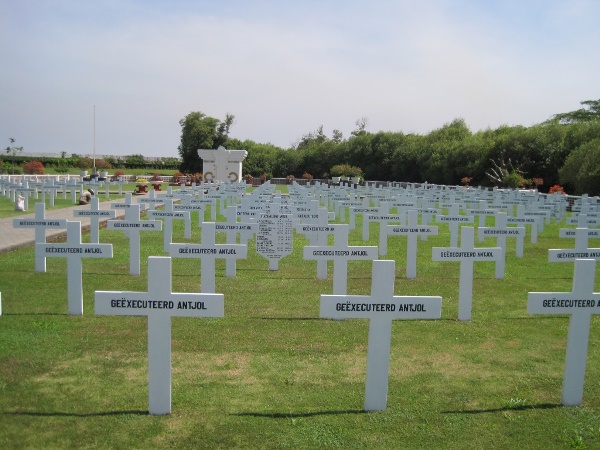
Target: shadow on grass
[
  {"x": 288, "y": 318},
  {"x": 293, "y": 415},
  {"x": 506, "y": 408},
  {"x": 66, "y": 414},
  {"x": 35, "y": 314}
]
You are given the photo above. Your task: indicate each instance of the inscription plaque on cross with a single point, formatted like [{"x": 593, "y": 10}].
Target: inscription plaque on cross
[
  {"x": 274, "y": 237},
  {"x": 159, "y": 304},
  {"x": 580, "y": 303},
  {"x": 381, "y": 307},
  {"x": 467, "y": 254},
  {"x": 74, "y": 250}
]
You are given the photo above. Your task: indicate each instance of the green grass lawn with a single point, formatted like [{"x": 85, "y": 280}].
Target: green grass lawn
[{"x": 271, "y": 374}]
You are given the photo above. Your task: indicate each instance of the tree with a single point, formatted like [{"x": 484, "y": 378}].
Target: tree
[
  {"x": 582, "y": 169},
  {"x": 12, "y": 150},
  {"x": 590, "y": 111},
  {"x": 361, "y": 126},
  {"x": 201, "y": 131}
]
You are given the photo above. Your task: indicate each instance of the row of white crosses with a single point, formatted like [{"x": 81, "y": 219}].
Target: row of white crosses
[{"x": 376, "y": 390}]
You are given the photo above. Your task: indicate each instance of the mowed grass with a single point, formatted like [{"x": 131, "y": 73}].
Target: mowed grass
[{"x": 272, "y": 374}]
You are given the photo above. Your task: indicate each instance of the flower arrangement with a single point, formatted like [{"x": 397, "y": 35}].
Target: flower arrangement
[
  {"x": 557, "y": 189},
  {"x": 194, "y": 178},
  {"x": 176, "y": 179},
  {"x": 466, "y": 180},
  {"x": 307, "y": 176},
  {"x": 249, "y": 178},
  {"x": 345, "y": 170},
  {"x": 290, "y": 179},
  {"x": 156, "y": 177},
  {"x": 141, "y": 180},
  {"x": 118, "y": 173}
]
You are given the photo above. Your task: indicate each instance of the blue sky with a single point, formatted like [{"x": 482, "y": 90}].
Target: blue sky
[{"x": 284, "y": 68}]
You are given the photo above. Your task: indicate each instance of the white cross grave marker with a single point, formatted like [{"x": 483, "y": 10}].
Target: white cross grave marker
[
  {"x": 208, "y": 251},
  {"x": 501, "y": 231},
  {"x": 411, "y": 231},
  {"x": 168, "y": 214},
  {"x": 159, "y": 304},
  {"x": 381, "y": 307},
  {"x": 232, "y": 228},
  {"x": 74, "y": 250},
  {"x": 581, "y": 250},
  {"x": 40, "y": 223},
  {"x": 580, "y": 303},
  {"x": 132, "y": 225},
  {"x": 340, "y": 253},
  {"x": 95, "y": 214},
  {"x": 454, "y": 218},
  {"x": 467, "y": 254}
]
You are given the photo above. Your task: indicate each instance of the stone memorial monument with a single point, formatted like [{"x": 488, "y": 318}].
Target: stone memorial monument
[{"x": 222, "y": 164}]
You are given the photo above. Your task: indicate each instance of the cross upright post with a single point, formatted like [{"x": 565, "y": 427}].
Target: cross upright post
[
  {"x": 580, "y": 303},
  {"x": 40, "y": 223},
  {"x": 159, "y": 304},
  {"x": 466, "y": 254},
  {"x": 74, "y": 250},
  {"x": 381, "y": 307}
]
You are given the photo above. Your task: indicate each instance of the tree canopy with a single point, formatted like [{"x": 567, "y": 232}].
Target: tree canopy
[
  {"x": 446, "y": 155},
  {"x": 200, "y": 131}
]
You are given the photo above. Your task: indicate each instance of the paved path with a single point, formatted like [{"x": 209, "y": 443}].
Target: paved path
[{"x": 12, "y": 238}]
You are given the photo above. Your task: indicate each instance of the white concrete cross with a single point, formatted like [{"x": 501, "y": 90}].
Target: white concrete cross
[
  {"x": 381, "y": 307},
  {"x": 316, "y": 229},
  {"x": 501, "y": 231},
  {"x": 340, "y": 253},
  {"x": 95, "y": 214},
  {"x": 40, "y": 223},
  {"x": 159, "y": 304},
  {"x": 484, "y": 211},
  {"x": 364, "y": 210},
  {"x": 132, "y": 225},
  {"x": 526, "y": 220},
  {"x": 168, "y": 214},
  {"x": 128, "y": 203},
  {"x": 208, "y": 251},
  {"x": 152, "y": 200},
  {"x": 453, "y": 218},
  {"x": 188, "y": 203},
  {"x": 580, "y": 251},
  {"x": 74, "y": 250},
  {"x": 411, "y": 231},
  {"x": 580, "y": 303},
  {"x": 232, "y": 228},
  {"x": 51, "y": 188},
  {"x": 384, "y": 221},
  {"x": 466, "y": 254}
]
